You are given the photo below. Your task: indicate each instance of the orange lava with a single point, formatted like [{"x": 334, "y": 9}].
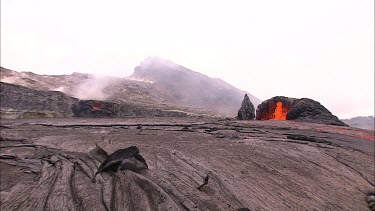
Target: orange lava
[{"x": 280, "y": 113}]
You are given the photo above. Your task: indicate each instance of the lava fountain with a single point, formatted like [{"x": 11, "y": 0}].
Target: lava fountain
[
  {"x": 280, "y": 112},
  {"x": 275, "y": 108}
]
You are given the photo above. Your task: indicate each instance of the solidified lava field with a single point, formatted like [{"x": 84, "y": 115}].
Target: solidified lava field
[{"x": 48, "y": 164}]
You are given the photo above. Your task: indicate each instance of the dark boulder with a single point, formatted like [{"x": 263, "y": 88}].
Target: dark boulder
[
  {"x": 123, "y": 159},
  {"x": 302, "y": 110},
  {"x": 308, "y": 110},
  {"x": 94, "y": 108},
  {"x": 247, "y": 110}
]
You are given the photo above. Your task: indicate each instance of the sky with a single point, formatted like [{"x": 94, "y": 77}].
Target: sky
[{"x": 322, "y": 49}]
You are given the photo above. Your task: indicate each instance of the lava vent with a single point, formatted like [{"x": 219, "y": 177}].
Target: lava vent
[{"x": 275, "y": 108}]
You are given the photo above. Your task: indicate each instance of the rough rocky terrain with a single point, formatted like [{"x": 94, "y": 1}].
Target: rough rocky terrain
[{"x": 48, "y": 164}]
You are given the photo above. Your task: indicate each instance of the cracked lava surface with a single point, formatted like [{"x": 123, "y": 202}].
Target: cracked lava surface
[{"x": 261, "y": 165}]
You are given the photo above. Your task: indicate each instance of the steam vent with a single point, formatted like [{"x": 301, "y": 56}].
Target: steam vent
[
  {"x": 302, "y": 110},
  {"x": 247, "y": 110}
]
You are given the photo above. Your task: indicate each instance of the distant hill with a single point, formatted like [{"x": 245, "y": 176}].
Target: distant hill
[
  {"x": 363, "y": 122},
  {"x": 156, "y": 83}
]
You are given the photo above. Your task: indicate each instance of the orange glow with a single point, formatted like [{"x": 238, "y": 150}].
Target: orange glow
[
  {"x": 280, "y": 113},
  {"x": 96, "y": 106}
]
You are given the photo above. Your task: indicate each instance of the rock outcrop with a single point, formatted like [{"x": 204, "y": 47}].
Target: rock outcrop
[
  {"x": 303, "y": 110},
  {"x": 247, "y": 110},
  {"x": 21, "y": 102}
]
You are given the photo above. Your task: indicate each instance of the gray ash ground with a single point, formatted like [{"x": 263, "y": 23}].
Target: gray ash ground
[{"x": 260, "y": 165}]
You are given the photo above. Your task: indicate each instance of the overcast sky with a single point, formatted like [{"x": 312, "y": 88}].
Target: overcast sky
[{"x": 321, "y": 49}]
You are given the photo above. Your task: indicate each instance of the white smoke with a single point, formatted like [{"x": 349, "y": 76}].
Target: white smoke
[{"x": 93, "y": 88}]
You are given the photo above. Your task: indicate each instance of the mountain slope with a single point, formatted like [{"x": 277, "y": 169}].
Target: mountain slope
[{"x": 182, "y": 86}]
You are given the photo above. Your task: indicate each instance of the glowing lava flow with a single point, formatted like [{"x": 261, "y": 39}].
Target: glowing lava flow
[{"x": 279, "y": 114}]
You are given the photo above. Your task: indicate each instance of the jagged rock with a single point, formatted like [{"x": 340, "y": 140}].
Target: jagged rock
[
  {"x": 123, "y": 159},
  {"x": 247, "y": 111},
  {"x": 303, "y": 110}
]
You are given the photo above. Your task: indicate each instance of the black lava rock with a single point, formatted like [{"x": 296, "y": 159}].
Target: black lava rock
[{"x": 247, "y": 110}]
